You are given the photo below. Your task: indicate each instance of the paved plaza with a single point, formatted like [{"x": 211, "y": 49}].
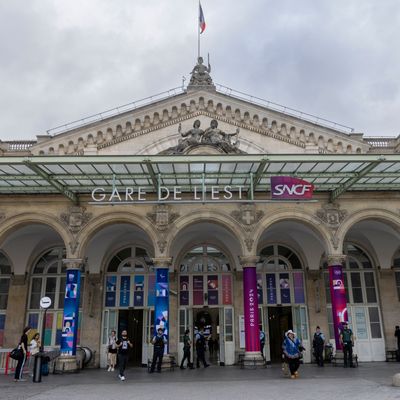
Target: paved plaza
[{"x": 369, "y": 381}]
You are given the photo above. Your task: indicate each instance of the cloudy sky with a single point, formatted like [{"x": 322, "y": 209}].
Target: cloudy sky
[{"x": 64, "y": 60}]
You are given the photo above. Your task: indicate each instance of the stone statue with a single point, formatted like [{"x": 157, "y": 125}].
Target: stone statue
[
  {"x": 214, "y": 136},
  {"x": 201, "y": 74},
  {"x": 191, "y": 137}
]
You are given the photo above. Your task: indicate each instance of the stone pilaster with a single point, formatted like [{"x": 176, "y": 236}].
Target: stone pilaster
[{"x": 16, "y": 310}]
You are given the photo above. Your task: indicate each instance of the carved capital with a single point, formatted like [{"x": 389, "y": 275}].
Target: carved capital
[
  {"x": 331, "y": 215},
  {"x": 249, "y": 243},
  {"x": 162, "y": 262},
  {"x": 336, "y": 259},
  {"x": 75, "y": 218},
  {"x": 247, "y": 215},
  {"x": 162, "y": 217},
  {"x": 73, "y": 263},
  {"x": 248, "y": 261},
  {"x": 19, "y": 280}
]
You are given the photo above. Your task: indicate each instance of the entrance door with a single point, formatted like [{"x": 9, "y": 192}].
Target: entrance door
[
  {"x": 132, "y": 321},
  {"x": 279, "y": 321}
]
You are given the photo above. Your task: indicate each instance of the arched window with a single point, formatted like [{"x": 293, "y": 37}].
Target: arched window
[
  {"x": 48, "y": 279},
  {"x": 129, "y": 271},
  {"x": 361, "y": 293},
  {"x": 205, "y": 273},
  {"x": 280, "y": 278},
  {"x": 5, "y": 275},
  {"x": 396, "y": 266}
]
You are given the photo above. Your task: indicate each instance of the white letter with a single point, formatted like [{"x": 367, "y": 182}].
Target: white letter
[
  {"x": 195, "y": 194},
  {"x": 278, "y": 190},
  {"x": 141, "y": 193},
  {"x": 163, "y": 188},
  {"x": 128, "y": 193},
  {"x": 101, "y": 197},
  {"x": 214, "y": 190},
  {"x": 227, "y": 190},
  {"x": 114, "y": 193},
  {"x": 177, "y": 190},
  {"x": 240, "y": 192}
]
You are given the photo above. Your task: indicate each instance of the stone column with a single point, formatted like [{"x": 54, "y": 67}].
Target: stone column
[
  {"x": 338, "y": 294},
  {"x": 161, "y": 304},
  {"x": 67, "y": 361},
  {"x": 250, "y": 301},
  {"x": 16, "y": 310}
]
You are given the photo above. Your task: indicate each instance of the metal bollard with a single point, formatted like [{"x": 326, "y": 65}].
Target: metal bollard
[{"x": 37, "y": 368}]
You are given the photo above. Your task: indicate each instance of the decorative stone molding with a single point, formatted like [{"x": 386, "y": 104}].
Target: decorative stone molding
[
  {"x": 2, "y": 215},
  {"x": 76, "y": 218},
  {"x": 249, "y": 243},
  {"x": 336, "y": 259},
  {"x": 248, "y": 261},
  {"x": 73, "y": 246},
  {"x": 19, "y": 280},
  {"x": 331, "y": 215},
  {"x": 247, "y": 216},
  {"x": 162, "y": 262},
  {"x": 73, "y": 263},
  {"x": 162, "y": 244},
  {"x": 162, "y": 217},
  {"x": 314, "y": 274}
]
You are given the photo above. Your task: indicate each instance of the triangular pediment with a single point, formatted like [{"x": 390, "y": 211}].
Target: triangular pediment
[{"x": 158, "y": 126}]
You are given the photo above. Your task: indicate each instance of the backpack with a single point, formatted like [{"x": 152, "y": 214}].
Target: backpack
[
  {"x": 318, "y": 341},
  {"x": 17, "y": 353}
]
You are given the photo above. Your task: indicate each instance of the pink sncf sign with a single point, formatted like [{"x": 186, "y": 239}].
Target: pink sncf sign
[{"x": 288, "y": 188}]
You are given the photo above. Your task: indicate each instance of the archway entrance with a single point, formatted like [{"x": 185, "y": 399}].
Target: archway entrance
[{"x": 132, "y": 322}]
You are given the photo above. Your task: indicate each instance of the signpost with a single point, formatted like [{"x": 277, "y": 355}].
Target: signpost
[{"x": 45, "y": 303}]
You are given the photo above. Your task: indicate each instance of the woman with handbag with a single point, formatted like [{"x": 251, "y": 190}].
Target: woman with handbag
[
  {"x": 23, "y": 345},
  {"x": 112, "y": 351},
  {"x": 292, "y": 349}
]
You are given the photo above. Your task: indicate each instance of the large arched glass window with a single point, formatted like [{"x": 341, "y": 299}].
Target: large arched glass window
[
  {"x": 361, "y": 293},
  {"x": 205, "y": 277},
  {"x": 396, "y": 266},
  {"x": 48, "y": 279},
  {"x": 280, "y": 278},
  {"x": 5, "y": 275}
]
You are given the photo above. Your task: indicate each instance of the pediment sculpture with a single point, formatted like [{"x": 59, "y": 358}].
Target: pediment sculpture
[{"x": 212, "y": 136}]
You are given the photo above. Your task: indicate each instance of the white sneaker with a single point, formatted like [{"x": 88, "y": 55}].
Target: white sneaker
[
  {"x": 122, "y": 378},
  {"x": 112, "y": 369},
  {"x": 119, "y": 376},
  {"x": 109, "y": 369}
]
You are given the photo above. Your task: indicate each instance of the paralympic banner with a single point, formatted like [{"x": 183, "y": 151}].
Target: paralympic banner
[
  {"x": 338, "y": 299},
  {"x": 69, "y": 331},
  {"x": 289, "y": 188},
  {"x": 251, "y": 309},
  {"x": 161, "y": 308}
]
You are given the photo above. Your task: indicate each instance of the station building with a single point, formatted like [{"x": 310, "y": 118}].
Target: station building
[{"x": 168, "y": 203}]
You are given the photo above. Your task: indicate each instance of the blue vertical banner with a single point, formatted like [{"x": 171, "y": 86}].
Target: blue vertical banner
[
  {"x": 161, "y": 309},
  {"x": 124, "y": 293},
  {"x": 69, "y": 331}
]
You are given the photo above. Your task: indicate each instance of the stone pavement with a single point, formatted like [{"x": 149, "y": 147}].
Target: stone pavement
[{"x": 369, "y": 381}]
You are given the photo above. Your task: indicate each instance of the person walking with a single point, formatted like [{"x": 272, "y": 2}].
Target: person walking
[
  {"x": 347, "y": 341},
  {"x": 292, "y": 349},
  {"x": 397, "y": 336},
  {"x": 123, "y": 346},
  {"x": 23, "y": 345},
  {"x": 318, "y": 346},
  {"x": 187, "y": 344},
  {"x": 201, "y": 348},
  {"x": 112, "y": 351},
  {"x": 159, "y": 341},
  {"x": 262, "y": 341}
]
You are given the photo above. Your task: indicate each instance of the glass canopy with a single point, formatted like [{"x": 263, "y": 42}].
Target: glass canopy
[{"x": 79, "y": 175}]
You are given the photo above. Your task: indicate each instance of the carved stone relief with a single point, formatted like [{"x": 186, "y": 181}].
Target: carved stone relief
[
  {"x": 162, "y": 217},
  {"x": 76, "y": 218},
  {"x": 247, "y": 216}
]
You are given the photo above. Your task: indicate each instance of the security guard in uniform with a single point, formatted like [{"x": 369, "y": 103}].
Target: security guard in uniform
[{"x": 347, "y": 341}]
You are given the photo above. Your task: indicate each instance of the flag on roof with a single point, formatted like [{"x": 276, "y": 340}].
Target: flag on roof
[{"x": 202, "y": 21}]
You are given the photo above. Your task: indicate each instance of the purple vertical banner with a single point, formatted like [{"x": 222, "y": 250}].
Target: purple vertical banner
[
  {"x": 284, "y": 285},
  {"x": 251, "y": 309},
  {"x": 212, "y": 288},
  {"x": 69, "y": 332},
  {"x": 338, "y": 299},
  {"x": 271, "y": 289},
  {"x": 298, "y": 287},
  {"x": 161, "y": 309}
]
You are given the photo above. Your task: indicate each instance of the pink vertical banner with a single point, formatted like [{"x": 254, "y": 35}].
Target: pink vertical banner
[
  {"x": 251, "y": 309},
  {"x": 338, "y": 299}
]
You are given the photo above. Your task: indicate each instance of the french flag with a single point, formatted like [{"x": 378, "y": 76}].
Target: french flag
[{"x": 202, "y": 21}]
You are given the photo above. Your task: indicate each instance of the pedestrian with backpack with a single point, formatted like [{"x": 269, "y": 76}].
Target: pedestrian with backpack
[
  {"x": 201, "y": 348},
  {"x": 318, "y": 346},
  {"x": 159, "y": 341}
]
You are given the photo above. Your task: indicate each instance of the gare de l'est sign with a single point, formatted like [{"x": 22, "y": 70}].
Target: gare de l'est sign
[{"x": 282, "y": 188}]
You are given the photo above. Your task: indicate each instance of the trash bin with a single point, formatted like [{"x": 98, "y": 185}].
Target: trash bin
[{"x": 328, "y": 352}]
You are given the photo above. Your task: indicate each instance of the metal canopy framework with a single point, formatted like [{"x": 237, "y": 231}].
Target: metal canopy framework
[{"x": 79, "y": 175}]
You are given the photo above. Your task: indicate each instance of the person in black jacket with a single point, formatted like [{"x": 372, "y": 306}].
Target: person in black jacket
[
  {"x": 318, "y": 346},
  {"x": 397, "y": 336},
  {"x": 159, "y": 341},
  {"x": 23, "y": 345},
  {"x": 201, "y": 348}
]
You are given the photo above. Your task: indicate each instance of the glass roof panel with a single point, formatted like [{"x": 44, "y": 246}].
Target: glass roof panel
[
  {"x": 23, "y": 169},
  {"x": 305, "y": 167},
  {"x": 320, "y": 167},
  {"x": 228, "y": 167},
  {"x": 387, "y": 180},
  {"x": 181, "y": 168},
  {"x": 127, "y": 182},
  {"x": 87, "y": 168},
  {"x": 166, "y": 181},
  {"x": 238, "y": 181},
  {"x": 197, "y": 167},
  {"x": 382, "y": 166},
  {"x": 99, "y": 182},
  {"x": 290, "y": 167},
  {"x": 210, "y": 181},
  {"x": 4, "y": 183},
  {"x": 274, "y": 167},
  {"x": 212, "y": 167},
  {"x": 196, "y": 181},
  {"x": 53, "y": 169},
  {"x": 165, "y": 168},
  {"x": 8, "y": 170},
  {"x": 353, "y": 167},
  {"x": 224, "y": 181},
  {"x": 319, "y": 180},
  {"x": 245, "y": 168},
  {"x": 71, "y": 182},
  {"x": 85, "y": 182},
  {"x": 15, "y": 183},
  {"x": 394, "y": 168},
  {"x": 118, "y": 168},
  {"x": 103, "y": 169},
  {"x": 373, "y": 180},
  {"x": 334, "y": 180},
  {"x": 71, "y": 169},
  {"x": 142, "y": 182},
  {"x": 136, "y": 168},
  {"x": 335, "y": 167}
]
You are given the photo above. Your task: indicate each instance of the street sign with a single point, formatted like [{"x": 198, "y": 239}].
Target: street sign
[{"x": 45, "y": 302}]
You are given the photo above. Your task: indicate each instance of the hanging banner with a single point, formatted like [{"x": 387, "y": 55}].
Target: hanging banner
[
  {"x": 184, "y": 290},
  {"x": 212, "y": 289},
  {"x": 289, "y": 188},
  {"x": 138, "y": 291},
  {"x": 161, "y": 309},
  {"x": 271, "y": 289},
  {"x": 124, "y": 293},
  {"x": 69, "y": 331},
  {"x": 338, "y": 299},
  {"x": 226, "y": 290},
  {"x": 111, "y": 290},
  {"x": 251, "y": 309}
]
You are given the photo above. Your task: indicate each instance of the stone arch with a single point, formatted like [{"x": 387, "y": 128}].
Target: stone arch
[
  {"x": 228, "y": 112},
  {"x": 302, "y": 136},
  {"x": 192, "y": 106},
  {"x": 118, "y": 131},
  {"x": 293, "y": 133},
  {"x": 311, "y": 138},
  {"x": 90, "y": 139},
  {"x": 221, "y": 219},
  {"x": 219, "y": 109},
  {"x": 237, "y": 115},
  {"x": 256, "y": 121},
  {"x": 305, "y": 218},
  {"x": 138, "y": 124},
  {"x": 12, "y": 224},
  {"x": 339, "y": 147},
  {"x": 274, "y": 126},
  {"x": 109, "y": 134},
  {"x": 321, "y": 142},
  {"x": 283, "y": 130},
  {"x": 165, "y": 116},
  {"x": 100, "y": 137},
  {"x": 387, "y": 217},
  {"x": 349, "y": 149},
  {"x": 210, "y": 106},
  {"x": 358, "y": 150},
  {"x": 128, "y": 128},
  {"x": 183, "y": 109},
  {"x": 330, "y": 146},
  {"x": 51, "y": 150},
  {"x": 246, "y": 117},
  {"x": 102, "y": 221},
  {"x": 61, "y": 149},
  {"x": 264, "y": 124},
  {"x": 146, "y": 123},
  {"x": 201, "y": 103},
  {"x": 174, "y": 112}
]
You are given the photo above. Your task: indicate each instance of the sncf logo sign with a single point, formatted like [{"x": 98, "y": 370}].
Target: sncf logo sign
[{"x": 288, "y": 188}]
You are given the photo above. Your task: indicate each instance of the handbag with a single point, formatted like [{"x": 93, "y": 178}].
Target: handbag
[{"x": 17, "y": 353}]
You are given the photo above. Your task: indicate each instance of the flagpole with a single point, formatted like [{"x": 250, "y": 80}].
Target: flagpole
[{"x": 198, "y": 32}]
